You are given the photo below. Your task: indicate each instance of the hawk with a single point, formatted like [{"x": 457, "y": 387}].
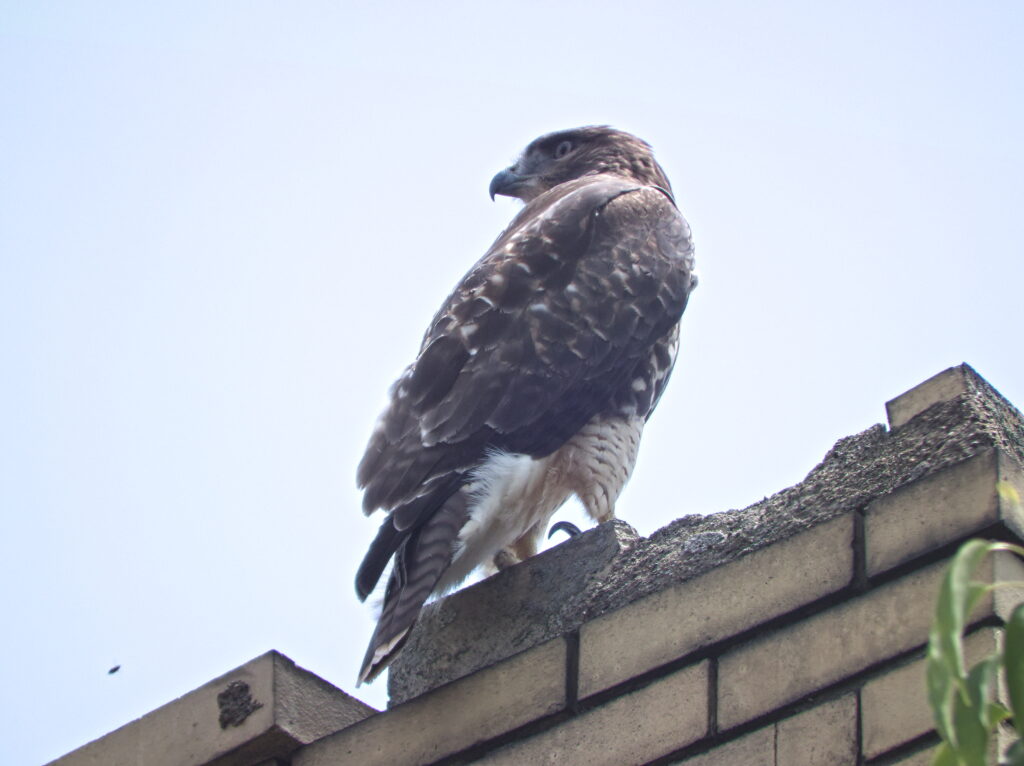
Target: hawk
[{"x": 535, "y": 378}]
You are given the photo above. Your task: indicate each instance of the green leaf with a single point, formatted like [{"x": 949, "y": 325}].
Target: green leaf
[
  {"x": 955, "y": 597},
  {"x": 945, "y": 666},
  {"x": 944, "y": 756},
  {"x": 970, "y": 713},
  {"x": 983, "y": 680},
  {"x": 973, "y": 595},
  {"x": 940, "y": 682},
  {"x": 961, "y": 702},
  {"x": 996, "y": 714},
  {"x": 1013, "y": 652}
]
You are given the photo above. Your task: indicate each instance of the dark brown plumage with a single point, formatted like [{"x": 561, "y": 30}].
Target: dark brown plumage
[{"x": 535, "y": 377}]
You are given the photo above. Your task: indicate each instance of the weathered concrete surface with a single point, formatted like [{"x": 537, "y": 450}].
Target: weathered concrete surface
[
  {"x": 661, "y": 717},
  {"x": 942, "y": 387},
  {"x": 783, "y": 666},
  {"x": 487, "y": 704},
  {"x": 505, "y": 614},
  {"x": 822, "y": 736},
  {"x": 714, "y": 605},
  {"x": 607, "y": 568},
  {"x": 943, "y": 506},
  {"x": 756, "y": 749},
  {"x": 895, "y": 705},
  {"x": 263, "y": 710}
]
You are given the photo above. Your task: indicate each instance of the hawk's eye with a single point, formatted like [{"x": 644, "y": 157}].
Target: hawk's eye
[{"x": 563, "y": 149}]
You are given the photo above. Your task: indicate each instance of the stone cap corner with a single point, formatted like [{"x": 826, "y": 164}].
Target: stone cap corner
[{"x": 264, "y": 709}]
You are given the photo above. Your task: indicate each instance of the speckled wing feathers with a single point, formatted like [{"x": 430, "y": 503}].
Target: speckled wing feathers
[{"x": 528, "y": 331}]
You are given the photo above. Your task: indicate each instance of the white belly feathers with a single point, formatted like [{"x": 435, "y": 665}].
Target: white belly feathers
[{"x": 513, "y": 496}]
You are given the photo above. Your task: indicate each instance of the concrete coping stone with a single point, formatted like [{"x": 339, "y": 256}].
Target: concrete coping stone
[{"x": 264, "y": 709}]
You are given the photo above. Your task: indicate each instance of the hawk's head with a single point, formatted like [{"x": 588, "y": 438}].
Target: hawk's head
[{"x": 570, "y": 154}]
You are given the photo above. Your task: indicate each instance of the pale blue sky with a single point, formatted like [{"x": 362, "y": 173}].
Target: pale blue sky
[{"x": 225, "y": 225}]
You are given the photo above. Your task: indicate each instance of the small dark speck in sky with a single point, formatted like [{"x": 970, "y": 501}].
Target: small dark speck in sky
[{"x": 113, "y": 670}]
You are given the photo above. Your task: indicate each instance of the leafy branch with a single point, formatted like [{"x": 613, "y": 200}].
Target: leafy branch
[{"x": 962, "y": 703}]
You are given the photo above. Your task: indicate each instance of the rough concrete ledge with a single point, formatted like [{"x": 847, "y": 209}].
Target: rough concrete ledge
[
  {"x": 455, "y": 716},
  {"x": 265, "y": 709},
  {"x": 606, "y": 568},
  {"x": 942, "y": 387},
  {"x": 518, "y": 608}
]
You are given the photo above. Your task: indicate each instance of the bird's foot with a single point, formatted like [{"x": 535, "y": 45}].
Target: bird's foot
[
  {"x": 564, "y": 526},
  {"x": 505, "y": 558}
]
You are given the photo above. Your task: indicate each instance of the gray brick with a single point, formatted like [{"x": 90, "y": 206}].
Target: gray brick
[
  {"x": 939, "y": 509},
  {"x": 825, "y": 735},
  {"x": 895, "y": 706},
  {"x": 725, "y": 601},
  {"x": 453, "y": 717},
  {"x": 756, "y": 749},
  {"x": 922, "y": 758},
  {"x": 657, "y": 719},
  {"x": 788, "y": 664}
]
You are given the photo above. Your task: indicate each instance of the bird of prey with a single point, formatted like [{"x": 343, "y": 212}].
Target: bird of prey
[{"x": 534, "y": 379}]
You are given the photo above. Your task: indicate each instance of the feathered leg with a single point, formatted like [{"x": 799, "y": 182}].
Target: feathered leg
[{"x": 521, "y": 549}]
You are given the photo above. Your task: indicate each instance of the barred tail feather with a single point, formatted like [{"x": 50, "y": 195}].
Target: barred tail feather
[{"x": 419, "y": 564}]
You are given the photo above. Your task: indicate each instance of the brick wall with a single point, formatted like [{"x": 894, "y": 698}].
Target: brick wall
[{"x": 790, "y": 633}]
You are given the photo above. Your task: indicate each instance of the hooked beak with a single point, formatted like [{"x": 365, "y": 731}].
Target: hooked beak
[{"x": 507, "y": 183}]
